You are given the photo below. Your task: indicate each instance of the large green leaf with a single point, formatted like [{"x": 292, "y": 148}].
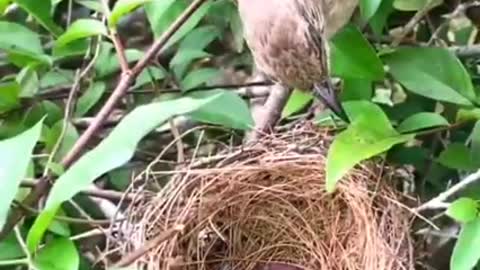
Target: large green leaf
[
  {"x": 82, "y": 28},
  {"x": 122, "y": 8},
  {"x": 42, "y": 12},
  {"x": 421, "y": 121},
  {"x": 432, "y": 72},
  {"x": 15, "y": 154},
  {"x": 465, "y": 253},
  {"x": 353, "y": 56},
  {"x": 360, "y": 141},
  {"x": 121, "y": 144},
  {"x": 60, "y": 253}
]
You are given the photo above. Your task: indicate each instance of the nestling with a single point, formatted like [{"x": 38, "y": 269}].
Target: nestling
[{"x": 288, "y": 40}]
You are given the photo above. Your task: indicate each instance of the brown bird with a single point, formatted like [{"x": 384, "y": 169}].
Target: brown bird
[{"x": 288, "y": 40}]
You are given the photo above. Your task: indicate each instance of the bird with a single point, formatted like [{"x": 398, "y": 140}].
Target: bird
[{"x": 288, "y": 40}]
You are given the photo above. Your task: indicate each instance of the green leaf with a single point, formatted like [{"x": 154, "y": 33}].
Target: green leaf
[
  {"x": 107, "y": 61},
  {"x": 360, "y": 141},
  {"x": 121, "y": 144},
  {"x": 228, "y": 110},
  {"x": 90, "y": 98},
  {"x": 156, "y": 12},
  {"x": 379, "y": 20},
  {"x": 39, "y": 227},
  {"x": 57, "y": 77},
  {"x": 296, "y": 102},
  {"x": 92, "y": 4},
  {"x": 457, "y": 156},
  {"x": 15, "y": 154},
  {"x": 149, "y": 75},
  {"x": 3, "y": 5},
  {"x": 41, "y": 11},
  {"x": 199, "y": 77},
  {"x": 82, "y": 28},
  {"x": 28, "y": 81},
  {"x": 422, "y": 120},
  {"x": 415, "y": 5},
  {"x": 475, "y": 144},
  {"x": 465, "y": 253},
  {"x": 69, "y": 138},
  {"x": 21, "y": 43},
  {"x": 353, "y": 56},
  {"x": 9, "y": 96},
  {"x": 60, "y": 253},
  {"x": 463, "y": 210},
  {"x": 432, "y": 72},
  {"x": 369, "y": 8},
  {"x": 10, "y": 248},
  {"x": 356, "y": 89},
  {"x": 121, "y": 8}
]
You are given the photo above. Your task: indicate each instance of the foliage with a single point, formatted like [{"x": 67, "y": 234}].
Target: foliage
[{"x": 60, "y": 61}]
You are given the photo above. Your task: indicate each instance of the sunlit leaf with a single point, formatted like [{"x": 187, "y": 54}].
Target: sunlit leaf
[
  {"x": 463, "y": 210},
  {"x": 465, "y": 253},
  {"x": 121, "y": 8},
  {"x": 15, "y": 155},
  {"x": 421, "y": 121},
  {"x": 59, "y": 253},
  {"x": 360, "y": 141},
  {"x": 369, "y": 7},
  {"x": 82, "y": 28}
]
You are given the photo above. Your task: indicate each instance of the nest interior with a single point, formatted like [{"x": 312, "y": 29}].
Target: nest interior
[{"x": 265, "y": 207}]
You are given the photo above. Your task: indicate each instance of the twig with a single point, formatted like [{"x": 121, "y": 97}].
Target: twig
[
  {"x": 92, "y": 222},
  {"x": 117, "y": 43},
  {"x": 24, "y": 247},
  {"x": 244, "y": 89},
  {"x": 110, "y": 195},
  {"x": 413, "y": 22},
  {"x": 132, "y": 257},
  {"x": 439, "y": 201}
]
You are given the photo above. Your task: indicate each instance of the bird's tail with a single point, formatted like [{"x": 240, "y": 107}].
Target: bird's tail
[{"x": 325, "y": 92}]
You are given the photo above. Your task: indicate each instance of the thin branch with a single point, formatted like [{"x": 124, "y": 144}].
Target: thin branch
[
  {"x": 136, "y": 254},
  {"x": 244, "y": 89},
  {"x": 110, "y": 195},
  {"x": 439, "y": 201}
]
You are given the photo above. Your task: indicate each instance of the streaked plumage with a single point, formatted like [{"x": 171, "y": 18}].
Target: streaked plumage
[{"x": 288, "y": 41}]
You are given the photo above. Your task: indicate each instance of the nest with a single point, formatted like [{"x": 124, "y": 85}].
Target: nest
[{"x": 264, "y": 207}]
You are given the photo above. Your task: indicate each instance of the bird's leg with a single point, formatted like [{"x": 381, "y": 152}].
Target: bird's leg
[{"x": 325, "y": 92}]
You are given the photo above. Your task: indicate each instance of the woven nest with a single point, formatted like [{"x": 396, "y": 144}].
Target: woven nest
[{"x": 265, "y": 207}]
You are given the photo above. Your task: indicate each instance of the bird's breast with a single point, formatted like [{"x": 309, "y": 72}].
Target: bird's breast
[{"x": 286, "y": 52}]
